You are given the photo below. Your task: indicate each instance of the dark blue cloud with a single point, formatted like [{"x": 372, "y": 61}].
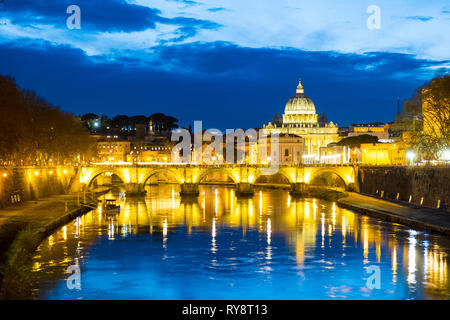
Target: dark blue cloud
[
  {"x": 227, "y": 58},
  {"x": 223, "y": 84},
  {"x": 189, "y": 27},
  {"x": 217, "y": 9},
  {"x": 99, "y": 15},
  {"x": 420, "y": 18},
  {"x": 187, "y": 2}
]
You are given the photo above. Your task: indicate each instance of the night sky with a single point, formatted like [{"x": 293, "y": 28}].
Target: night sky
[{"x": 229, "y": 63}]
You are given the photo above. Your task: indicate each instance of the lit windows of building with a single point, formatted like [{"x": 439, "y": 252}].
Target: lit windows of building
[
  {"x": 149, "y": 153},
  {"x": 377, "y": 129},
  {"x": 290, "y": 150},
  {"x": 112, "y": 150},
  {"x": 334, "y": 154}
]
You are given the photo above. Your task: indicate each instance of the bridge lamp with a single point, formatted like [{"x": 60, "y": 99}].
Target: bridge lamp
[
  {"x": 446, "y": 155},
  {"x": 36, "y": 173},
  {"x": 306, "y": 178},
  {"x": 64, "y": 171},
  {"x": 410, "y": 155},
  {"x": 5, "y": 174}
]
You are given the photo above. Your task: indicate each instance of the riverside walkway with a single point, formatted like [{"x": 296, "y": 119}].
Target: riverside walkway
[
  {"x": 30, "y": 211},
  {"x": 34, "y": 215},
  {"x": 419, "y": 217},
  {"x": 24, "y": 226}
]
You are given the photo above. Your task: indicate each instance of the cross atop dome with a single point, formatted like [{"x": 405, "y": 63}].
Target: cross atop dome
[{"x": 300, "y": 87}]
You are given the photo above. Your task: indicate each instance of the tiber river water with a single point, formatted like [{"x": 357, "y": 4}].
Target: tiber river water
[{"x": 267, "y": 247}]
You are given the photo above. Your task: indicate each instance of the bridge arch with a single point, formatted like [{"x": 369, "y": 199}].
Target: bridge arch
[
  {"x": 97, "y": 173},
  {"x": 332, "y": 172},
  {"x": 172, "y": 173},
  {"x": 279, "y": 173},
  {"x": 207, "y": 172}
]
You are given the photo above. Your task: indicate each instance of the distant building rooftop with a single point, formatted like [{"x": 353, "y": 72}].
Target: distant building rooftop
[{"x": 372, "y": 124}]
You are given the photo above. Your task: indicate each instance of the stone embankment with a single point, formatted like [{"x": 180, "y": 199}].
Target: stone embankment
[
  {"x": 426, "y": 186},
  {"x": 418, "y": 217},
  {"x": 22, "y": 229}
]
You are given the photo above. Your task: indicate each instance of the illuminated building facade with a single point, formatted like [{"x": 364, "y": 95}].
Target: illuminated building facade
[
  {"x": 377, "y": 129},
  {"x": 334, "y": 154},
  {"x": 383, "y": 153},
  {"x": 113, "y": 150},
  {"x": 300, "y": 119},
  {"x": 290, "y": 150},
  {"x": 150, "y": 153}
]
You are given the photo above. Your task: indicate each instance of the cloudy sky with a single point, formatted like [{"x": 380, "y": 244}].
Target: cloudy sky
[{"x": 230, "y": 63}]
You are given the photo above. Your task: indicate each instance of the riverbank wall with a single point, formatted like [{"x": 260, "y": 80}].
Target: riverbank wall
[
  {"x": 426, "y": 186},
  {"x": 15, "y": 280},
  {"x": 22, "y": 234},
  {"x": 427, "y": 219},
  {"x": 21, "y": 184}
]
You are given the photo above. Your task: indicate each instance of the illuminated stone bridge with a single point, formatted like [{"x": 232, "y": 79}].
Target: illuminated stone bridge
[{"x": 189, "y": 177}]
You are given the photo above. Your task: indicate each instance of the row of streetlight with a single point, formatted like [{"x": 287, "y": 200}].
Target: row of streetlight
[{"x": 36, "y": 173}]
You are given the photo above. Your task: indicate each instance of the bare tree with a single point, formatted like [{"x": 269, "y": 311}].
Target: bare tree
[
  {"x": 435, "y": 136},
  {"x": 35, "y": 132}
]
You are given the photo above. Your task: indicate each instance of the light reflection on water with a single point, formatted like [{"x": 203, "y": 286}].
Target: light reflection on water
[{"x": 219, "y": 247}]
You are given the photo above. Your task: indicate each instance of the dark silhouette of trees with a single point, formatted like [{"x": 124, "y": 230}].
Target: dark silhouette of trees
[
  {"x": 138, "y": 119},
  {"x": 412, "y": 108},
  {"x": 124, "y": 125},
  {"x": 34, "y": 132},
  {"x": 89, "y": 117},
  {"x": 161, "y": 122}
]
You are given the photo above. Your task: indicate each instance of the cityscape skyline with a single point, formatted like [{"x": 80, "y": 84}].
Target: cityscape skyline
[
  {"x": 230, "y": 123},
  {"x": 210, "y": 154}
]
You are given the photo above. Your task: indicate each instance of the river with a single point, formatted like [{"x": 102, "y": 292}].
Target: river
[{"x": 219, "y": 247}]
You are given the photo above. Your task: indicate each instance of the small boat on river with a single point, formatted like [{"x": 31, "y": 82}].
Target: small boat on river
[{"x": 110, "y": 207}]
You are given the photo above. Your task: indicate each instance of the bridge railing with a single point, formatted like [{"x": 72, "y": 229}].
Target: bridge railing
[{"x": 225, "y": 165}]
